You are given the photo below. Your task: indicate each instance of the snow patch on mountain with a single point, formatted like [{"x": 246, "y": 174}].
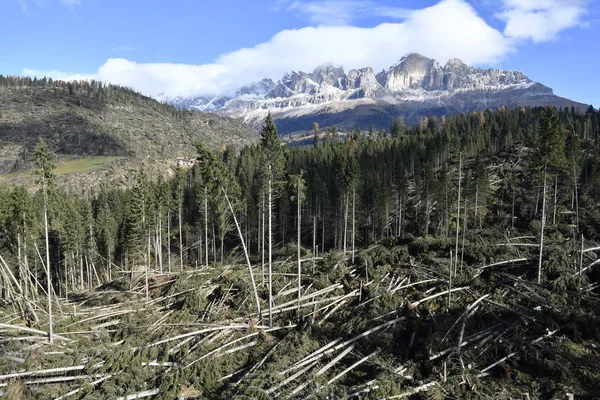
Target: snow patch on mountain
[{"x": 413, "y": 80}]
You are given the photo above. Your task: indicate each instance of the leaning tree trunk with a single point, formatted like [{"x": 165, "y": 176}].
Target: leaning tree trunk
[{"x": 245, "y": 253}]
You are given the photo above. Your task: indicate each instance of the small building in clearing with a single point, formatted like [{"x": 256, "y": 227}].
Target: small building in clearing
[{"x": 185, "y": 161}]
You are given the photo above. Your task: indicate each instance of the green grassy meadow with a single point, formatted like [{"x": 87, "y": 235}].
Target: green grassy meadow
[{"x": 66, "y": 166}]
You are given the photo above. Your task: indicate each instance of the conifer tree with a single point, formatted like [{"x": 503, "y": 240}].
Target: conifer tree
[
  {"x": 273, "y": 164},
  {"x": 299, "y": 190},
  {"x": 46, "y": 178}
]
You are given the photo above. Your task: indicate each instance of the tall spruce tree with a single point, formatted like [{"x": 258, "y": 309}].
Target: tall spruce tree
[
  {"x": 45, "y": 173},
  {"x": 273, "y": 166}
]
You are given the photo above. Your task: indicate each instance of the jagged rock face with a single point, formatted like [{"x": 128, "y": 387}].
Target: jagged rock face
[
  {"x": 417, "y": 72},
  {"x": 258, "y": 88},
  {"x": 416, "y": 86},
  {"x": 331, "y": 75},
  {"x": 412, "y": 72}
]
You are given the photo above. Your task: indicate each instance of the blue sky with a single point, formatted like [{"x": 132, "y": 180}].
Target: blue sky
[{"x": 196, "y": 47}]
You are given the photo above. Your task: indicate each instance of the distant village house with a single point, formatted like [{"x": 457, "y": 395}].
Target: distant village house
[{"x": 185, "y": 161}]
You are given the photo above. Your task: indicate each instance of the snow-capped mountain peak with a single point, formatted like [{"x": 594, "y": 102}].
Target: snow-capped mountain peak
[{"x": 413, "y": 87}]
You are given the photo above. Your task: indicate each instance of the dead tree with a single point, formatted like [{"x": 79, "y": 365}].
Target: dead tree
[{"x": 539, "y": 277}]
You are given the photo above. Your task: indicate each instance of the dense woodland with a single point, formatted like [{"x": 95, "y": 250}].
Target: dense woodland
[
  {"x": 467, "y": 191},
  {"x": 358, "y": 188}
]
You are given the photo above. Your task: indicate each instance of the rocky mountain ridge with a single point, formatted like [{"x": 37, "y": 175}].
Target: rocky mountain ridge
[{"x": 414, "y": 87}]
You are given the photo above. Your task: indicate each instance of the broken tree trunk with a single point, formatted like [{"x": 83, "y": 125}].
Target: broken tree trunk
[{"x": 237, "y": 225}]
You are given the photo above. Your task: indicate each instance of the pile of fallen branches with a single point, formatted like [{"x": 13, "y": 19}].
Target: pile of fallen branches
[{"x": 402, "y": 321}]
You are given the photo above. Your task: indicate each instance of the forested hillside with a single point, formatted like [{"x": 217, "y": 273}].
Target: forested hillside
[
  {"x": 453, "y": 259},
  {"x": 81, "y": 120}
]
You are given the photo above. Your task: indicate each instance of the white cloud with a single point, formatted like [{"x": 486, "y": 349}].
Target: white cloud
[
  {"x": 40, "y": 3},
  {"x": 122, "y": 48},
  {"x": 448, "y": 29},
  {"x": 54, "y": 74},
  {"x": 342, "y": 12},
  {"x": 328, "y": 12},
  {"x": 541, "y": 20}
]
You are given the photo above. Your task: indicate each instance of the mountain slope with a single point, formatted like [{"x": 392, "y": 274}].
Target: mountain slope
[
  {"x": 415, "y": 87},
  {"x": 90, "y": 119}
]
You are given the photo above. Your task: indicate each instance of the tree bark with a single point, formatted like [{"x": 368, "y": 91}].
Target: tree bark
[
  {"x": 169, "y": 240},
  {"x": 458, "y": 208},
  {"x": 237, "y": 225},
  {"x": 49, "y": 278},
  {"x": 539, "y": 277},
  {"x": 299, "y": 239},
  {"x": 206, "y": 224},
  {"x": 270, "y": 254},
  {"x": 180, "y": 240},
  {"x": 345, "y": 224},
  {"x": 353, "y": 221}
]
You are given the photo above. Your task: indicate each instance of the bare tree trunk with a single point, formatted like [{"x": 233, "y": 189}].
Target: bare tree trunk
[
  {"x": 462, "y": 251},
  {"x": 169, "y": 239},
  {"x": 555, "y": 199},
  {"x": 345, "y": 224},
  {"x": 322, "y": 228},
  {"x": 314, "y": 243},
  {"x": 66, "y": 266},
  {"x": 400, "y": 219},
  {"x": 246, "y": 224},
  {"x": 537, "y": 202},
  {"x": 476, "y": 203},
  {"x": 160, "y": 260},
  {"x": 299, "y": 239},
  {"x": 214, "y": 243},
  {"x": 581, "y": 257},
  {"x": 80, "y": 258},
  {"x": 353, "y": 221},
  {"x": 270, "y": 255},
  {"x": 539, "y": 278},
  {"x": 576, "y": 197},
  {"x": 262, "y": 251},
  {"x": 180, "y": 240},
  {"x": 245, "y": 253},
  {"x": 512, "y": 222},
  {"x": 156, "y": 245},
  {"x": 147, "y": 266},
  {"x": 222, "y": 240},
  {"x": 458, "y": 207},
  {"x": 21, "y": 272},
  {"x": 450, "y": 281},
  {"x": 427, "y": 214},
  {"x": 206, "y": 224},
  {"x": 446, "y": 210},
  {"x": 109, "y": 266},
  {"x": 48, "y": 277}
]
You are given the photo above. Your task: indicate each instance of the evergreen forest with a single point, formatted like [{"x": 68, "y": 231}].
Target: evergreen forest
[{"x": 457, "y": 258}]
